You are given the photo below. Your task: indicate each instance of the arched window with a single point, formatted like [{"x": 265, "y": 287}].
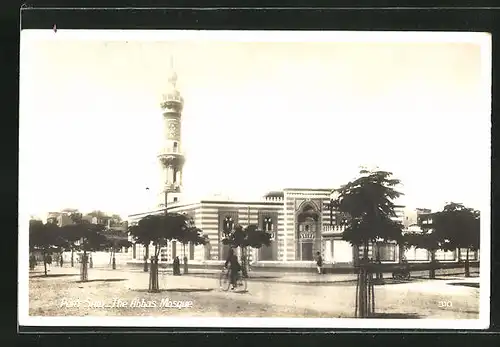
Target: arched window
[
  {"x": 268, "y": 224},
  {"x": 228, "y": 224}
]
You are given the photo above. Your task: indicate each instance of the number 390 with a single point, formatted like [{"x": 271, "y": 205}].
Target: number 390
[{"x": 444, "y": 304}]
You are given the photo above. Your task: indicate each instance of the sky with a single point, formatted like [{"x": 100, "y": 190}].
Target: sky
[{"x": 259, "y": 115}]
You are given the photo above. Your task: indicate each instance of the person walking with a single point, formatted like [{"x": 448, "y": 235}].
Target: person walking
[
  {"x": 234, "y": 267},
  {"x": 177, "y": 266},
  {"x": 319, "y": 263}
]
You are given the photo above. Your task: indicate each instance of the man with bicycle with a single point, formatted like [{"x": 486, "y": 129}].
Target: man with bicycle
[{"x": 234, "y": 267}]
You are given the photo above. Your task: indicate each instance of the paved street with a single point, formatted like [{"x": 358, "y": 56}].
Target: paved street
[{"x": 268, "y": 295}]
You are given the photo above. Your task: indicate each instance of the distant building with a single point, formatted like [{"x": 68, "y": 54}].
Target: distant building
[
  {"x": 411, "y": 216},
  {"x": 60, "y": 218}
]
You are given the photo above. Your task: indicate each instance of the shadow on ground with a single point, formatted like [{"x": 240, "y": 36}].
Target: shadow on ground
[
  {"x": 104, "y": 280},
  {"x": 386, "y": 281},
  {"x": 52, "y": 275},
  {"x": 395, "y": 316},
  {"x": 216, "y": 275},
  {"x": 464, "y": 284},
  {"x": 176, "y": 290}
]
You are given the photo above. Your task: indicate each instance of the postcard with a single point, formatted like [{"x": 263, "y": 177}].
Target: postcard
[{"x": 262, "y": 179}]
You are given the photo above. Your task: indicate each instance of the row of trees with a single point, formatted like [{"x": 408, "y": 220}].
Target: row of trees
[
  {"x": 158, "y": 230},
  {"x": 49, "y": 238},
  {"x": 368, "y": 204},
  {"x": 155, "y": 230}
]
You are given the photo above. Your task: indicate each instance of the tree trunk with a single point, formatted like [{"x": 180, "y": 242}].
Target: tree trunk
[
  {"x": 365, "y": 300},
  {"x": 114, "y": 260},
  {"x": 380, "y": 275},
  {"x": 91, "y": 263},
  {"x": 72, "y": 257},
  {"x": 146, "y": 257},
  {"x": 401, "y": 254},
  {"x": 84, "y": 272},
  {"x": 32, "y": 262},
  {"x": 432, "y": 270},
  {"x": 154, "y": 286},
  {"x": 467, "y": 265},
  {"x": 244, "y": 262},
  {"x": 44, "y": 255}
]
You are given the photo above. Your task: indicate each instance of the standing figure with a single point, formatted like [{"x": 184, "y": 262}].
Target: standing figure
[
  {"x": 48, "y": 260},
  {"x": 177, "y": 266},
  {"x": 234, "y": 267},
  {"x": 319, "y": 263},
  {"x": 32, "y": 262}
]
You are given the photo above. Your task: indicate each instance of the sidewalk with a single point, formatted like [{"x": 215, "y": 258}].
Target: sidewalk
[
  {"x": 285, "y": 277},
  {"x": 416, "y": 299}
]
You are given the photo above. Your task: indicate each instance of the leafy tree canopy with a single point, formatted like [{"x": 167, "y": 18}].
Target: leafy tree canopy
[
  {"x": 368, "y": 201},
  {"x": 250, "y": 236},
  {"x": 87, "y": 237},
  {"x": 458, "y": 226},
  {"x": 46, "y": 237},
  {"x": 157, "y": 229}
]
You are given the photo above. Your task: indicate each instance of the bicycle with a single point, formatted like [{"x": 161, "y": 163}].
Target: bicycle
[
  {"x": 402, "y": 273},
  {"x": 225, "y": 281}
]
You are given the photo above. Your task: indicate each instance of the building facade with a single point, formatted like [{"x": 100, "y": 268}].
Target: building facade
[{"x": 299, "y": 220}]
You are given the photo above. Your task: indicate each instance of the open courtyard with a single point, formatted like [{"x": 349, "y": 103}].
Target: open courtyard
[{"x": 123, "y": 292}]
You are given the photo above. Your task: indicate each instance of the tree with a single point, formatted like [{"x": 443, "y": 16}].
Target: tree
[
  {"x": 250, "y": 236},
  {"x": 459, "y": 227},
  {"x": 77, "y": 218},
  {"x": 194, "y": 236},
  {"x": 115, "y": 240},
  {"x": 368, "y": 203},
  {"x": 87, "y": 238},
  {"x": 158, "y": 230},
  {"x": 425, "y": 239},
  {"x": 44, "y": 238}
]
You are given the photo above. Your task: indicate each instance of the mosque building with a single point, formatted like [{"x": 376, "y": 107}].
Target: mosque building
[{"x": 298, "y": 219}]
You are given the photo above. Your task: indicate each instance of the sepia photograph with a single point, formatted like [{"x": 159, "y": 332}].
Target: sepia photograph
[{"x": 254, "y": 179}]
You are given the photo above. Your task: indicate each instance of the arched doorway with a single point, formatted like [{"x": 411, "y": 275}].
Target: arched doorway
[{"x": 308, "y": 233}]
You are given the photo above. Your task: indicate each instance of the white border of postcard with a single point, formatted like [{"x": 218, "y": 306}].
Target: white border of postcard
[{"x": 482, "y": 39}]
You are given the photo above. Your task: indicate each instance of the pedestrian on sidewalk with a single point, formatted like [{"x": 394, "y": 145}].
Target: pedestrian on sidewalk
[
  {"x": 61, "y": 261},
  {"x": 48, "y": 260},
  {"x": 177, "y": 267},
  {"x": 319, "y": 263}
]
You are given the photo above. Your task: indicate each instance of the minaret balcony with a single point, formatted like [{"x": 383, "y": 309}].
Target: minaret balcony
[
  {"x": 172, "y": 188},
  {"x": 172, "y": 101},
  {"x": 171, "y": 159},
  {"x": 170, "y": 150}
]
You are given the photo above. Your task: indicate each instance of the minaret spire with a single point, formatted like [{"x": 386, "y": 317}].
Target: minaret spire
[
  {"x": 172, "y": 77},
  {"x": 171, "y": 156}
]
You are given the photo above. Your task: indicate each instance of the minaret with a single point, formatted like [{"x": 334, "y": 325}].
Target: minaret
[{"x": 171, "y": 157}]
